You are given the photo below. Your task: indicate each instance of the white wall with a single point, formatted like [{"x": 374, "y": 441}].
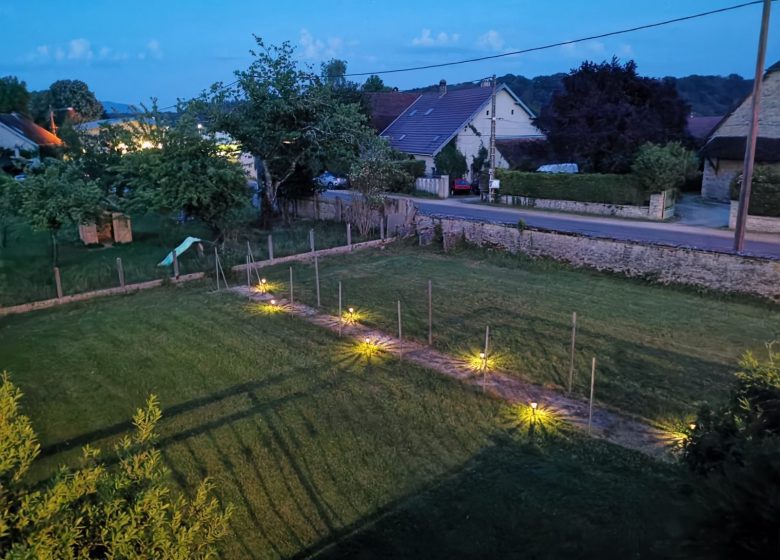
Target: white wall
[{"x": 511, "y": 122}]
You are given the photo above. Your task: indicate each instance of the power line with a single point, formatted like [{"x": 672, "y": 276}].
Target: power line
[
  {"x": 562, "y": 43},
  {"x": 532, "y": 49}
]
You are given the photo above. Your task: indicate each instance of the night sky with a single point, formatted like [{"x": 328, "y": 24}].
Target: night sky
[{"x": 131, "y": 51}]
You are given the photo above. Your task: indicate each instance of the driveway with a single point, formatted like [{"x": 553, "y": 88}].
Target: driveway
[
  {"x": 695, "y": 210},
  {"x": 674, "y": 234}
]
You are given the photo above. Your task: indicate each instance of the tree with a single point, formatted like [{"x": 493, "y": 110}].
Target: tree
[
  {"x": 62, "y": 96},
  {"x": 96, "y": 510},
  {"x": 14, "y": 97},
  {"x": 606, "y": 111},
  {"x": 737, "y": 450},
  {"x": 10, "y": 204},
  {"x": 333, "y": 72},
  {"x": 285, "y": 116},
  {"x": 58, "y": 195},
  {"x": 187, "y": 172},
  {"x": 374, "y": 84},
  {"x": 661, "y": 168},
  {"x": 450, "y": 161}
]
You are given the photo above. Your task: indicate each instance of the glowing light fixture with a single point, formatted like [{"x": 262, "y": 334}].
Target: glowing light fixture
[
  {"x": 692, "y": 426},
  {"x": 367, "y": 340},
  {"x": 534, "y": 405},
  {"x": 273, "y": 302}
]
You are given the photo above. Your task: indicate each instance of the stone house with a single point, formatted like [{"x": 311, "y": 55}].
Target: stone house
[
  {"x": 724, "y": 151},
  {"x": 436, "y": 118}
]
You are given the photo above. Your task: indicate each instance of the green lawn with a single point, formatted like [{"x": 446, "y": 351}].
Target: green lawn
[
  {"x": 661, "y": 351},
  {"x": 315, "y": 445},
  {"x": 26, "y": 267}
]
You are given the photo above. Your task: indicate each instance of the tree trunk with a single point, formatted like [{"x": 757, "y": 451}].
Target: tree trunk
[
  {"x": 54, "y": 249},
  {"x": 3, "y": 235}
]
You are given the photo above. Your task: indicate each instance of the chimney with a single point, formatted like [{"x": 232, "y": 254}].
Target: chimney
[
  {"x": 486, "y": 83},
  {"x": 442, "y": 87}
]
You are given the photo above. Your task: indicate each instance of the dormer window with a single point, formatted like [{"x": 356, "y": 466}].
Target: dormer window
[
  {"x": 413, "y": 112},
  {"x": 429, "y": 111}
]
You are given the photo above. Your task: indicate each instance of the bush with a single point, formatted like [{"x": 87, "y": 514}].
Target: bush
[
  {"x": 590, "y": 187},
  {"x": 658, "y": 168},
  {"x": 414, "y": 167},
  {"x": 764, "y": 192},
  {"x": 450, "y": 161}
]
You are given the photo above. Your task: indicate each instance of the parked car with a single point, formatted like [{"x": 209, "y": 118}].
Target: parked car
[
  {"x": 461, "y": 186},
  {"x": 330, "y": 181}
]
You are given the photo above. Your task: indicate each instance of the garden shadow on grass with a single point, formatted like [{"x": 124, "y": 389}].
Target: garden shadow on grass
[{"x": 518, "y": 500}]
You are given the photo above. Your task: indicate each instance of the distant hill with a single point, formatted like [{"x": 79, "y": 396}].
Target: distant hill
[{"x": 707, "y": 95}]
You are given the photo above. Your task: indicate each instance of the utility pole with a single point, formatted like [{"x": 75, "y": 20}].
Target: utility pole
[
  {"x": 52, "y": 124},
  {"x": 750, "y": 141},
  {"x": 492, "y": 171}
]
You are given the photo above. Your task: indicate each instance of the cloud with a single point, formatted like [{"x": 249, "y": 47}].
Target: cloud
[
  {"x": 588, "y": 48},
  {"x": 624, "y": 49},
  {"x": 317, "y": 49},
  {"x": 79, "y": 49},
  {"x": 491, "y": 40},
  {"x": 428, "y": 39}
]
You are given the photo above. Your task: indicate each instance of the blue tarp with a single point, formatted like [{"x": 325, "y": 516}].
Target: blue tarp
[{"x": 186, "y": 244}]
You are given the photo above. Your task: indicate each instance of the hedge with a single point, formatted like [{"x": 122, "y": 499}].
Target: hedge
[
  {"x": 764, "y": 191},
  {"x": 584, "y": 187},
  {"x": 414, "y": 167}
]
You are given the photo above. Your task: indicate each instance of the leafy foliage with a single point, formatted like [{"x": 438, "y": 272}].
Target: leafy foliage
[
  {"x": 374, "y": 84},
  {"x": 738, "y": 448},
  {"x": 99, "y": 511},
  {"x": 286, "y": 116},
  {"x": 60, "y": 194},
  {"x": 450, "y": 161},
  {"x": 184, "y": 172},
  {"x": 663, "y": 167},
  {"x": 76, "y": 94},
  {"x": 10, "y": 204},
  {"x": 764, "y": 191},
  {"x": 606, "y": 111},
  {"x": 14, "y": 97},
  {"x": 585, "y": 187}
]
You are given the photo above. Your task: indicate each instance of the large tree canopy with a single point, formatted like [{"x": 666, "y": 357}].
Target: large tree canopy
[
  {"x": 286, "y": 116},
  {"x": 606, "y": 111},
  {"x": 14, "y": 96},
  {"x": 62, "y": 95}
]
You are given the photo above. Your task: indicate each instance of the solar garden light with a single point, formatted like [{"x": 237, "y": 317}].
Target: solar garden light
[
  {"x": 692, "y": 426},
  {"x": 273, "y": 302},
  {"x": 263, "y": 285},
  {"x": 483, "y": 359},
  {"x": 533, "y": 408}
]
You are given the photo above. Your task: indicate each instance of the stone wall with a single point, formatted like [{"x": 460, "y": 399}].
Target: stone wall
[
  {"x": 717, "y": 271},
  {"x": 754, "y": 223},
  {"x": 656, "y": 210},
  {"x": 398, "y": 213}
]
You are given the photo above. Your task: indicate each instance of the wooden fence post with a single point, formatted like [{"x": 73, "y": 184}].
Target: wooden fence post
[
  {"x": 573, "y": 340},
  {"x": 341, "y": 315},
  {"x": 430, "y": 314},
  {"x": 382, "y": 228},
  {"x": 311, "y": 239},
  {"x": 270, "y": 247},
  {"x": 58, "y": 281},
  {"x": 400, "y": 331},
  {"x": 120, "y": 270},
  {"x": 175, "y": 265},
  {"x": 592, "y": 382},
  {"x": 317, "y": 278},
  {"x": 349, "y": 235},
  {"x": 291, "y": 287}
]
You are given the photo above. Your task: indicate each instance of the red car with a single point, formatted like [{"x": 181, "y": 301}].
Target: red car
[{"x": 461, "y": 186}]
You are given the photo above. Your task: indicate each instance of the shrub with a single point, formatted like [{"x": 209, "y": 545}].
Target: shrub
[
  {"x": 764, "y": 192},
  {"x": 659, "y": 168},
  {"x": 414, "y": 167},
  {"x": 450, "y": 161},
  {"x": 590, "y": 187},
  {"x": 99, "y": 511}
]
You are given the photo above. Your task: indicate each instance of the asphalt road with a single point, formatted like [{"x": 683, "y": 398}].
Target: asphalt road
[{"x": 671, "y": 234}]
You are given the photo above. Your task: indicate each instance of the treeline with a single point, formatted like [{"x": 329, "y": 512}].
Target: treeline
[{"x": 706, "y": 95}]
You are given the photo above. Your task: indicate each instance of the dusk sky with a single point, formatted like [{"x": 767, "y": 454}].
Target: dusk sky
[{"x": 130, "y": 51}]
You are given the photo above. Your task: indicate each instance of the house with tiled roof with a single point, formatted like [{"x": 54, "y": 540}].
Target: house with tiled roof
[
  {"x": 461, "y": 116},
  {"x": 18, "y": 134},
  {"x": 385, "y": 106},
  {"x": 724, "y": 152}
]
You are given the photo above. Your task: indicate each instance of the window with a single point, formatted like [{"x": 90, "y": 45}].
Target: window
[
  {"x": 429, "y": 111},
  {"x": 402, "y": 136},
  {"x": 513, "y": 111},
  {"x": 487, "y": 112},
  {"x": 413, "y": 112},
  {"x": 436, "y": 137}
]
